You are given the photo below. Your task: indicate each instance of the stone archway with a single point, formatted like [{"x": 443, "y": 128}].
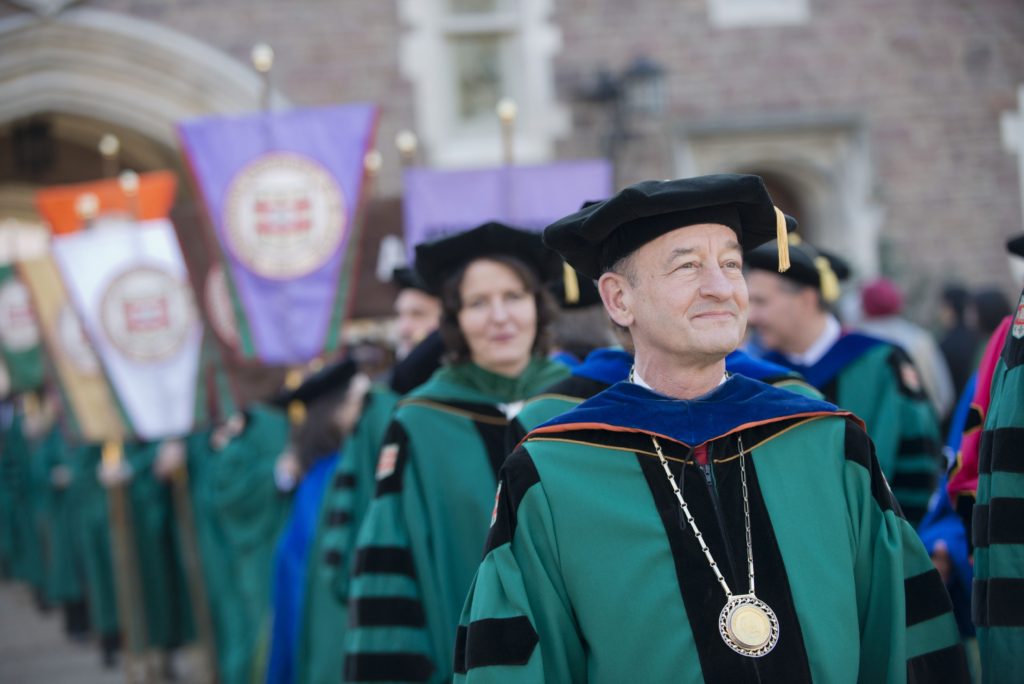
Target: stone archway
[
  {"x": 90, "y": 71},
  {"x": 115, "y": 68},
  {"x": 824, "y": 164}
]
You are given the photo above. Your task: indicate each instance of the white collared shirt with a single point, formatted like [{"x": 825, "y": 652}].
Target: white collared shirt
[
  {"x": 637, "y": 380},
  {"x": 821, "y": 346}
]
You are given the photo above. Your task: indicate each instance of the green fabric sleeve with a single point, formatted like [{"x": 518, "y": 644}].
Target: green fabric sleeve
[
  {"x": 347, "y": 495},
  {"x": 517, "y": 624},
  {"x": 388, "y": 637},
  {"x": 883, "y": 389},
  {"x": 908, "y": 633}
]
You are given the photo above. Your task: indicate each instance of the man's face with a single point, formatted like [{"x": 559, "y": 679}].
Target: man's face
[
  {"x": 777, "y": 310},
  {"x": 418, "y": 315},
  {"x": 687, "y": 297}
]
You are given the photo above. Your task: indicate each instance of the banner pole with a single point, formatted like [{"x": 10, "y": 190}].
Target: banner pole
[
  {"x": 183, "y": 513},
  {"x": 131, "y": 611}
]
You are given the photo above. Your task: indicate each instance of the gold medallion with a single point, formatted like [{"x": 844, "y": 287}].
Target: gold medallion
[{"x": 748, "y": 626}]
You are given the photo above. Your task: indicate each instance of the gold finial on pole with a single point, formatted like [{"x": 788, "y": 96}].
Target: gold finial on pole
[
  {"x": 372, "y": 162},
  {"x": 262, "y": 57},
  {"x": 109, "y": 148},
  {"x": 87, "y": 206},
  {"x": 407, "y": 144},
  {"x": 507, "y": 112},
  {"x": 129, "y": 182}
]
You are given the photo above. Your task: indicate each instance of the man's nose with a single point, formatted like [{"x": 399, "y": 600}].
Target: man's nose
[{"x": 715, "y": 284}]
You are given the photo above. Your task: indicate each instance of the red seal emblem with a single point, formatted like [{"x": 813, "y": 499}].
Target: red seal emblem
[
  {"x": 284, "y": 216},
  {"x": 497, "y": 498},
  {"x": 147, "y": 314},
  {"x": 1018, "y": 319}
]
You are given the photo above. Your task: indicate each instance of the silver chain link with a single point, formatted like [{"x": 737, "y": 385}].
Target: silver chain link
[{"x": 693, "y": 524}]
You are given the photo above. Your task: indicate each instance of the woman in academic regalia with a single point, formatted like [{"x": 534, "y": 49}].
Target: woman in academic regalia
[{"x": 437, "y": 471}]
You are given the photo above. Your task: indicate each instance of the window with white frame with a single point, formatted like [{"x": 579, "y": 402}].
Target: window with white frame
[
  {"x": 737, "y": 13},
  {"x": 462, "y": 57}
]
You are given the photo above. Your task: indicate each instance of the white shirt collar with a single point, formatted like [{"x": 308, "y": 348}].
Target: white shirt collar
[
  {"x": 637, "y": 380},
  {"x": 829, "y": 336}
]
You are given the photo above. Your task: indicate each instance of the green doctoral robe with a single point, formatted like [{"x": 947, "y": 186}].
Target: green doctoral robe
[
  {"x": 89, "y": 499},
  {"x": 879, "y": 384},
  {"x": 162, "y": 576},
  {"x": 250, "y": 512},
  {"x": 592, "y": 574},
  {"x": 64, "y": 582},
  {"x": 998, "y": 518},
  {"x": 424, "y": 530},
  {"x": 349, "y": 490},
  {"x": 26, "y": 550},
  {"x": 43, "y": 455}
]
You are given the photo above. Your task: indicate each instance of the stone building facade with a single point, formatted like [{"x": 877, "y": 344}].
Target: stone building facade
[{"x": 887, "y": 126}]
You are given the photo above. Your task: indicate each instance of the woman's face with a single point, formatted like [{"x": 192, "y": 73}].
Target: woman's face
[{"x": 498, "y": 317}]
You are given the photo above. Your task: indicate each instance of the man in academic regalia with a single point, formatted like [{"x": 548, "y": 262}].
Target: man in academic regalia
[
  {"x": 875, "y": 380},
  {"x": 629, "y": 532}
]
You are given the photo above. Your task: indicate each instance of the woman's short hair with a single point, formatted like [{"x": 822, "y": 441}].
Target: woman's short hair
[{"x": 451, "y": 304}]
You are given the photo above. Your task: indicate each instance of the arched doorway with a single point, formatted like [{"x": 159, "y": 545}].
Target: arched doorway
[
  {"x": 820, "y": 171},
  {"x": 67, "y": 80}
]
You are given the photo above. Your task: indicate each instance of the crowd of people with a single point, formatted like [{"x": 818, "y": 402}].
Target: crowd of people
[{"x": 639, "y": 446}]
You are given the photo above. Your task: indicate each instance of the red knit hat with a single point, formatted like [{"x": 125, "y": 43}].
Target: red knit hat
[{"x": 881, "y": 297}]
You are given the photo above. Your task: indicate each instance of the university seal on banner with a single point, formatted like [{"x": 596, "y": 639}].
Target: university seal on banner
[
  {"x": 1018, "y": 319},
  {"x": 73, "y": 343},
  {"x": 147, "y": 314},
  {"x": 18, "y": 328},
  {"x": 219, "y": 309},
  {"x": 284, "y": 216}
]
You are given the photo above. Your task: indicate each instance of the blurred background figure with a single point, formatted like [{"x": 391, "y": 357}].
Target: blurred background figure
[
  {"x": 876, "y": 380},
  {"x": 990, "y": 307},
  {"x": 417, "y": 311},
  {"x": 582, "y": 324},
  {"x": 322, "y": 411},
  {"x": 958, "y": 340},
  {"x": 882, "y": 308}
]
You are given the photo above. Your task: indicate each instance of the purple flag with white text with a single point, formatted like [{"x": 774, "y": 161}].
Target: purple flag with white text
[
  {"x": 283, "y": 192},
  {"x": 438, "y": 203}
]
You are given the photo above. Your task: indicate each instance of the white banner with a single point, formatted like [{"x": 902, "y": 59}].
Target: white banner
[{"x": 130, "y": 287}]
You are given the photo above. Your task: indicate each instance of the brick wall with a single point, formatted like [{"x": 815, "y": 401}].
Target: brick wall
[{"x": 929, "y": 79}]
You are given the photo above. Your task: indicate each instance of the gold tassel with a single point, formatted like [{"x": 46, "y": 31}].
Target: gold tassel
[
  {"x": 828, "y": 279},
  {"x": 297, "y": 413},
  {"x": 571, "y": 284},
  {"x": 112, "y": 453},
  {"x": 293, "y": 378},
  {"x": 783, "y": 239}
]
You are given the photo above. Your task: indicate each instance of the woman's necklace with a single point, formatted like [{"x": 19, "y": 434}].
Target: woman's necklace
[{"x": 747, "y": 624}]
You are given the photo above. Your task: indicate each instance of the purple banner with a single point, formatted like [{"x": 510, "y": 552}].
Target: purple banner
[
  {"x": 282, "y": 191},
  {"x": 439, "y": 203}
]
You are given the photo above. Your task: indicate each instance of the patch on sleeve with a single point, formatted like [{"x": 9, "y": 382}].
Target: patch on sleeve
[
  {"x": 386, "y": 461},
  {"x": 908, "y": 378},
  {"x": 497, "y": 498},
  {"x": 518, "y": 475},
  {"x": 1018, "y": 319}
]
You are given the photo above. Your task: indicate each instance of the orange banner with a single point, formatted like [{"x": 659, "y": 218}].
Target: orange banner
[{"x": 154, "y": 199}]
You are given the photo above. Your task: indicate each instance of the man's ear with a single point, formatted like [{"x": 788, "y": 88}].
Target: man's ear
[{"x": 616, "y": 293}]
